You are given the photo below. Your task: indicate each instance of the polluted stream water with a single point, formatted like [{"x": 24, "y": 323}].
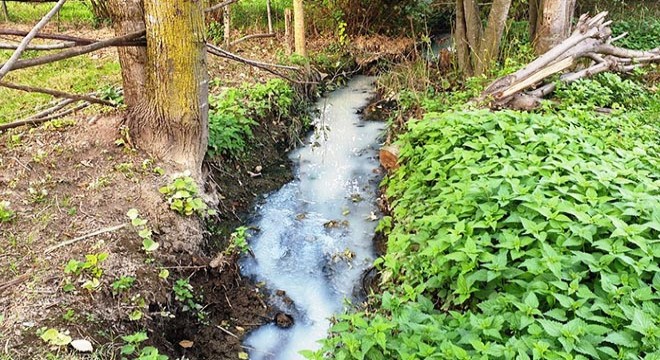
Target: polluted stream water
[{"x": 314, "y": 236}]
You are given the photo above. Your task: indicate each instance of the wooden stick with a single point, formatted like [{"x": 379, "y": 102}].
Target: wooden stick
[
  {"x": 125, "y": 40},
  {"x": 253, "y": 36},
  {"x": 95, "y": 233},
  {"x": 220, "y": 5},
  {"x": 77, "y": 40},
  {"x": 214, "y": 50},
  {"x": 41, "y": 117},
  {"x": 57, "y": 46},
  {"x": 26, "y": 41},
  {"x": 270, "y": 17},
  {"x": 56, "y": 93}
]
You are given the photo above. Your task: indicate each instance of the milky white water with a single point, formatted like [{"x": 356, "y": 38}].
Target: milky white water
[{"x": 315, "y": 233}]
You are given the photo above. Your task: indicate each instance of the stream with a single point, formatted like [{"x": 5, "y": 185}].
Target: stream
[{"x": 314, "y": 237}]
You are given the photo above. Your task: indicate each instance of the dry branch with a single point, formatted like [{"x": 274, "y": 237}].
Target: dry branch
[
  {"x": 214, "y": 50},
  {"x": 77, "y": 40},
  {"x": 26, "y": 41},
  {"x": 253, "y": 36},
  {"x": 56, "y": 46},
  {"x": 219, "y": 6},
  {"x": 132, "y": 39},
  {"x": 591, "y": 41},
  {"x": 87, "y": 236},
  {"x": 56, "y": 93}
]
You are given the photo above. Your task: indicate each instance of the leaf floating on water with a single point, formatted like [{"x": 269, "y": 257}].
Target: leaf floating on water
[
  {"x": 243, "y": 356},
  {"x": 356, "y": 198},
  {"x": 82, "y": 345},
  {"x": 372, "y": 217},
  {"x": 302, "y": 216},
  {"x": 186, "y": 344}
]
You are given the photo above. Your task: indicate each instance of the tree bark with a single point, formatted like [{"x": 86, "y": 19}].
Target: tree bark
[
  {"x": 489, "y": 47},
  {"x": 5, "y": 13},
  {"x": 554, "y": 24},
  {"x": 460, "y": 39},
  {"x": 288, "y": 39},
  {"x": 226, "y": 20},
  {"x": 534, "y": 14},
  {"x": 173, "y": 123},
  {"x": 128, "y": 17},
  {"x": 299, "y": 25}
]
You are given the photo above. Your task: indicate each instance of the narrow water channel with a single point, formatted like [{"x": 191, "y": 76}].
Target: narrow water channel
[{"x": 314, "y": 237}]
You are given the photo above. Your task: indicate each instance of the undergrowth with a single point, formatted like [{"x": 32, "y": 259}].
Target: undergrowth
[
  {"x": 516, "y": 235},
  {"x": 235, "y": 112}
]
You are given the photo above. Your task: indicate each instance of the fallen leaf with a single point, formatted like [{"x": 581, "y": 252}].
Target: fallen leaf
[{"x": 186, "y": 344}]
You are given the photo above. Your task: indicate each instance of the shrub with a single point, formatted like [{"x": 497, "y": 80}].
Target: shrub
[{"x": 516, "y": 235}]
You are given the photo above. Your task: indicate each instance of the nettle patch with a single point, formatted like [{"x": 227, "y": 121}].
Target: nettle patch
[{"x": 516, "y": 235}]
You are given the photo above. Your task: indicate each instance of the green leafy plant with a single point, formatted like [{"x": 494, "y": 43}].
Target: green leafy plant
[
  {"x": 133, "y": 347},
  {"x": 122, "y": 284},
  {"x": 54, "y": 337},
  {"x": 605, "y": 90},
  {"x": 181, "y": 194},
  {"x": 184, "y": 293},
  {"x": 89, "y": 270},
  {"x": 516, "y": 235},
  {"x": 143, "y": 231},
  {"x": 6, "y": 213},
  {"x": 238, "y": 241}
]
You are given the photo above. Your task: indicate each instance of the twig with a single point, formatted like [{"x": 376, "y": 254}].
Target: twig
[
  {"x": 77, "y": 40},
  {"x": 95, "y": 233},
  {"x": 253, "y": 36},
  {"x": 56, "y": 46},
  {"x": 26, "y": 41},
  {"x": 13, "y": 282},
  {"x": 227, "y": 332},
  {"x": 56, "y": 93},
  {"x": 220, "y": 5}
]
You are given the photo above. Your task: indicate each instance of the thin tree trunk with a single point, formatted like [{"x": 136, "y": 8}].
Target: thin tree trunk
[
  {"x": 490, "y": 43},
  {"x": 4, "y": 10},
  {"x": 473, "y": 26},
  {"x": 299, "y": 24},
  {"x": 288, "y": 39},
  {"x": 226, "y": 19},
  {"x": 460, "y": 39},
  {"x": 128, "y": 17},
  {"x": 173, "y": 123},
  {"x": 534, "y": 14},
  {"x": 270, "y": 17}
]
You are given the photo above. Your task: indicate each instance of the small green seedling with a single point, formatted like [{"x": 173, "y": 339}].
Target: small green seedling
[
  {"x": 6, "y": 213},
  {"x": 122, "y": 284},
  {"x": 55, "y": 337},
  {"x": 181, "y": 195},
  {"x": 140, "y": 225}
]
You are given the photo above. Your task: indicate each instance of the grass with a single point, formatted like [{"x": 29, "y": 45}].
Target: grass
[
  {"x": 72, "y": 13},
  {"x": 78, "y": 75}
]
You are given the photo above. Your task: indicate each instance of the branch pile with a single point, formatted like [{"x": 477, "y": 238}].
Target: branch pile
[{"x": 586, "y": 52}]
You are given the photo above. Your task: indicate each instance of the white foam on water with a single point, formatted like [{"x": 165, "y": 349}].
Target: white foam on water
[{"x": 319, "y": 265}]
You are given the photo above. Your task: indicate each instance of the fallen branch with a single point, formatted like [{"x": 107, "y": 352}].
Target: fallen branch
[
  {"x": 46, "y": 115},
  {"x": 253, "y": 36},
  {"x": 591, "y": 40},
  {"x": 16, "y": 281},
  {"x": 132, "y": 39},
  {"x": 56, "y": 93},
  {"x": 26, "y": 41},
  {"x": 81, "y": 238}
]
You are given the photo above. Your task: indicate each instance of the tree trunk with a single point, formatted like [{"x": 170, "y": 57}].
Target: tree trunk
[
  {"x": 554, "y": 24},
  {"x": 534, "y": 14},
  {"x": 270, "y": 17},
  {"x": 128, "y": 17},
  {"x": 173, "y": 123},
  {"x": 490, "y": 43},
  {"x": 473, "y": 26},
  {"x": 4, "y": 10},
  {"x": 299, "y": 24},
  {"x": 288, "y": 39},
  {"x": 226, "y": 19},
  {"x": 460, "y": 39}
]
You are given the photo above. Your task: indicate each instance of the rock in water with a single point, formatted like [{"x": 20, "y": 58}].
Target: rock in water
[{"x": 283, "y": 320}]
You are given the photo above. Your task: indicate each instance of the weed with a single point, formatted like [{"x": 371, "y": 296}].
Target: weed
[
  {"x": 517, "y": 235},
  {"x": 238, "y": 242},
  {"x": 133, "y": 347},
  {"x": 184, "y": 293},
  {"x": 181, "y": 194},
  {"x": 99, "y": 183},
  {"x": 143, "y": 231},
  {"x": 90, "y": 270},
  {"x": 37, "y": 195},
  {"x": 54, "y": 337},
  {"x": 59, "y": 124},
  {"x": 6, "y": 213},
  {"x": 122, "y": 284}
]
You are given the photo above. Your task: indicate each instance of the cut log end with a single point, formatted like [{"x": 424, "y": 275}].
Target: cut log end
[{"x": 389, "y": 157}]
